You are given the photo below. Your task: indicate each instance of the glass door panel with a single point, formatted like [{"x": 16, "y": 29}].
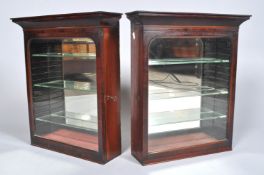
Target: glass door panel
[
  {"x": 64, "y": 90},
  {"x": 188, "y": 92}
]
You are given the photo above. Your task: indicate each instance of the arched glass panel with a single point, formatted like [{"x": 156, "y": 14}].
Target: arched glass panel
[
  {"x": 64, "y": 90},
  {"x": 188, "y": 92}
]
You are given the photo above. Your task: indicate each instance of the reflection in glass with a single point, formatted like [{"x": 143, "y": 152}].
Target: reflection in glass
[
  {"x": 188, "y": 92},
  {"x": 64, "y": 90}
]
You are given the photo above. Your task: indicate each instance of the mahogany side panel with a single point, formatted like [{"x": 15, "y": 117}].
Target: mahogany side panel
[{"x": 137, "y": 69}]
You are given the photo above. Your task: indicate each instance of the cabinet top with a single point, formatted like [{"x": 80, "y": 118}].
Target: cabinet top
[
  {"x": 98, "y": 18},
  {"x": 170, "y": 18}
]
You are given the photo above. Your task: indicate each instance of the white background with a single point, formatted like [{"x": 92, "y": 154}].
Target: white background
[{"x": 18, "y": 157}]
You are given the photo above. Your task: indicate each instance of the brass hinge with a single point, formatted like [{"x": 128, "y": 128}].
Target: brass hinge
[{"x": 133, "y": 35}]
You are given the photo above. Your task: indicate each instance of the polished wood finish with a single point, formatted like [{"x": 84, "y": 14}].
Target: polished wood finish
[
  {"x": 144, "y": 27},
  {"x": 186, "y": 19},
  {"x": 100, "y": 19},
  {"x": 103, "y": 28},
  {"x": 176, "y": 142},
  {"x": 69, "y": 137}
]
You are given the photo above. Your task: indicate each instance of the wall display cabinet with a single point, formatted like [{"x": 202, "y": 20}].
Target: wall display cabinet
[
  {"x": 72, "y": 64},
  {"x": 183, "y": 83}
]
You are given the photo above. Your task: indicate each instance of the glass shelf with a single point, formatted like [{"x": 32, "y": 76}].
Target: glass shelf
[
  {"x": 70, "y": 119},
  {"x": 78, "y": 40},
  {"x": 157, "y": 93},
  {"x": 69, "y": 85},
  {"x": 175, "y": 61},
  {"x": 179, "y": 116},
  {"x": 79, "y": 55}
]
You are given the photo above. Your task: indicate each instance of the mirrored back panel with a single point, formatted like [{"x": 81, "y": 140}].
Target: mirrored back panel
[
  {"x": 188, "y": 92},
  {"x": 64, "y": 90}
]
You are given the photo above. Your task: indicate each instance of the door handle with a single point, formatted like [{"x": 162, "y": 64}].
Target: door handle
[{"x": 110, "y": 98}]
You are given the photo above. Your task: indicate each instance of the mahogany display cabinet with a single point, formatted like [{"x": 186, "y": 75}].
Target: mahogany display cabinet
[
  {"x": 183, "y": 83},
  {"x": 73, "y": 83}
]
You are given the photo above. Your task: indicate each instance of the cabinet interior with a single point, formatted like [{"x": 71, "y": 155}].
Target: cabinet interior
[
  {"x": 188, "y": 91},
  {"x": 63, "y": 73}
]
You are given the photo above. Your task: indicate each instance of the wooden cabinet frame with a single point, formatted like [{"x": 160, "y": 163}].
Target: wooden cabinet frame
[
  {"x": 146, "y": 26},
  {"x": 103, "y": 28}
]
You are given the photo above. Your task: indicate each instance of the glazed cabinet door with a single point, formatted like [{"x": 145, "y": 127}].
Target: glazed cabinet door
[
  {"x": 64, "y": 90},
  {"x": 188, "y": 91}
]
